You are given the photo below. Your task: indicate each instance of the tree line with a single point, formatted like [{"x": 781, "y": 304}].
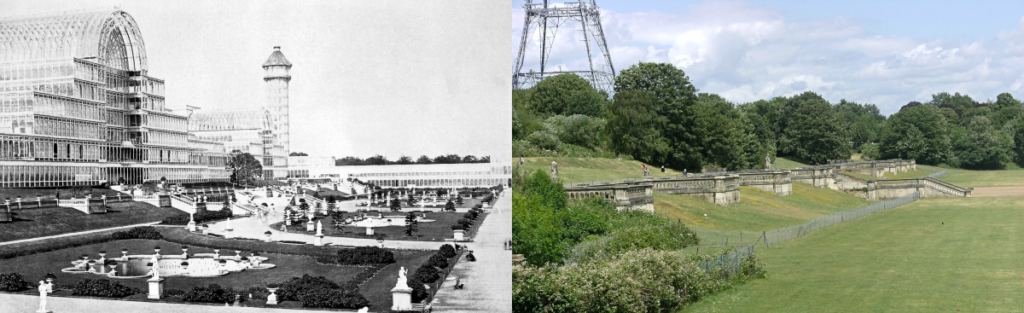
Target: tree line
[
  {"x": 423, "y": 159},
  {"x": 658, "y": 117}
]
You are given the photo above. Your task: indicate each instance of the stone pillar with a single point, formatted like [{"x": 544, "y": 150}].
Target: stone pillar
[
  {"x": 369, "y": 231},
  {"x": 156, "y": 288},
  {"x": 554, "y": 171},
  {"x": 460, "y": 235},
  {"x": 401, "y": 298},
  {"x": 318, "y": 240}
]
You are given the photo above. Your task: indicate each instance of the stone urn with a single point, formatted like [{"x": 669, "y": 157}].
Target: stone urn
[{"x": 272, "y": 297}]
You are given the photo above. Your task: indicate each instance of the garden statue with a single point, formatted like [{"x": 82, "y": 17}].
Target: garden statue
[
  {"x": 554, "y": 171},
  {"x": 155, "y": 271},
  {"x": 402, "y": 280},
  {"x": 45, "y": 287},
  {"x": 647, "y": 171},
  {"x": 767, "y": 161}
]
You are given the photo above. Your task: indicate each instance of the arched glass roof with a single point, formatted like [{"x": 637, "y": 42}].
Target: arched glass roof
[{"x": 109, "y": 37}]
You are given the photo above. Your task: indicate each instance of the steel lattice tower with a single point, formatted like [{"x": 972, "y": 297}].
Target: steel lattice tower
[{"x": 547, "y": 19}]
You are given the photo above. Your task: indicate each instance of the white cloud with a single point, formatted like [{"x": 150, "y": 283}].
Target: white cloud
[{"x": 745, "y": 53}]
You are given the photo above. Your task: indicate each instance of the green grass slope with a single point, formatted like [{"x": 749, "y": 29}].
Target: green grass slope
[
  {"x": 934, "y": 255},
  {"x": 757, "y": 210}
]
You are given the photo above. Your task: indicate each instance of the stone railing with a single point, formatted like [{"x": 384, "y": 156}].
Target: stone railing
[
  {"x": 878, "y": 168},
  {"x": 720, "y": 190},
  {"x": 846, "y": 182},
  {"x": 778, "y": 182},
  {"x": 927, "y": 187},
  {"x": 817, "y": 176},
  {"x": 624, "y": 196}
]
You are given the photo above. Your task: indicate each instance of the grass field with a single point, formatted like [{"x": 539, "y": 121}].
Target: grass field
[
  {"x": 785, "y": 163},
  {"x": 934, "y": 255},
  {"x": 998, "y": 178},
  {"x": 32, "y": 223},
  {"x": 590, "y": 169},
  {"x": 758, "y": 209}
]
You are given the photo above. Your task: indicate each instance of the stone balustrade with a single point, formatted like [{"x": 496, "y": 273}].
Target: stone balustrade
[
  {"x": 720, "y": 190},
  {"x": 624, "y": 196},
  {"x": 927, "y": 186},
  {"x": 817, "y": 176},
  {"x": 778, "y": 182}
]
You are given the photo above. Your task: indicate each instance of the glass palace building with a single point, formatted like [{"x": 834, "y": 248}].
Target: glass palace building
[{"x": 78, "y": 107}]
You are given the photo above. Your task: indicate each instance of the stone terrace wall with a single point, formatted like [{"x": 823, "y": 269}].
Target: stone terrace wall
[
  {"x": 778, "y": 182},
  {"x": 720, "y": 190},
  {"x": 928, "y": 187},
  {"x": 817, "y": 176},
  {"x": 624, "y": 196}
]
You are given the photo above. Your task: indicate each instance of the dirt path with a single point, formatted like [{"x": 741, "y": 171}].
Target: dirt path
[{"x": 998, "y": 191}]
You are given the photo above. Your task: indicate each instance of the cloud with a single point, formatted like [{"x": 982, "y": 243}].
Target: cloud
[{"x": 745, "y": 53}]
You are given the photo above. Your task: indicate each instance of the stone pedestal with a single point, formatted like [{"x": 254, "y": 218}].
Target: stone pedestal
[
  {"x": 191, "y": 226},
  {"x": 200, "y": 207},
  {"x": 401, "y": 298},
  {"x": 460, "y": 235},
  {"x": 318, "y": 241},
  {"x": 267, "y": 239},
  {"x": 369, "y": 231},
  {"x": 156, "y": 288},
  {"x": 310, "y": 226},
  {"x": 229, "y": 233},
  {"x": 165, "y": 201},
  {"x": 272, "y": 297}
]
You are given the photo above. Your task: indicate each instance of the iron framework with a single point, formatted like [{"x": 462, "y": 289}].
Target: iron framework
[{"x": 546, "y": 19}]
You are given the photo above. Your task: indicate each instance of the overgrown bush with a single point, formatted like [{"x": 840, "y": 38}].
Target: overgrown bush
[
  {"x": 666, "y": 237},
  {"x": 658, "y": 281},
  {"x": 438, "y": 261},
  {"x": 144, "y": 232},
  {"x": 13, "y": 282},
  {"x": 544, "y": 140},
  {"x": 419, "y": 291},
  {"x": 174, "y": 292},
  {"x": 182, "y": 219},
  {"x": 427, "y": 274},
  {"x": 320, "y": 292},
  {"x": 365, "y": 255},
  {"x": 259, "y": 292},
  {"x": 447, "y": 250},
  {"x": 751, "y": 267},
  {"x": 576, "y": 129},
  {"x": 102, "y": 288},
  {"x": 213, "y": 293}
]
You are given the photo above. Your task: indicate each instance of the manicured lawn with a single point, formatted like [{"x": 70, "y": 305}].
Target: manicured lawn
[
  {"x": 591, "y": 169},
  {"x": 439, "y": 230},
  {"x": 37, "y": 265},
  {"x": 758, "y": 210},
  {"x": 378, "y": 289},
  {"x": 994, "y": 178},
  {"x": 786, "y": 163},
  {"x": 30, "y": 223},
  {"x": 934, "y": 255}
]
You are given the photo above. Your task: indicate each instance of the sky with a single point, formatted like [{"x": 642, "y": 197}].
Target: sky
[
  {"x": 886, "y": 53},
  {"x": 368, "y": 77}
]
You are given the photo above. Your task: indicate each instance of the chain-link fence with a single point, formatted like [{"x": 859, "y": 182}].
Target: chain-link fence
[{"x": 748, "y": 240}]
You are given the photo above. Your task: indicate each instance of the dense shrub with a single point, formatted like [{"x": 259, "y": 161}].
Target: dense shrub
[
  {"x": 320, "y": 292},
  {"x": 577, "y": 129},
  {"x": 447, "y": 250},
  {"x": 667, "y": 237},
  {"x": 332, "y": 298},
  {"x": 182, "y": 219},
  {"x": 213, "y": 293},
  {"x": 427, "y": 274},
  {"x": 144, "y": 232},
  {"x": 466, "y": 223},
  {"x": 419, "y": 291},
  {"x": 259, "y": 292},
  {"x": 659, "y": 281},
  {"x": 365, "y": 255},
  {"x": 438, "y": 261},
  {"x": 13, "y": 282},
  {"x": 102, "y": 288},
  {"x": 543, "y": 140},
  {"x": 751, "y": 267}
]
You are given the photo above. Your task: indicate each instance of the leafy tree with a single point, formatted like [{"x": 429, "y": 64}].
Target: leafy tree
[
  {"x": 1015, "y": 128},
  {"x": 1005, "y": 100},
  {"x": 633, "y": 127},
  {"x": 298, "y": 154},
  {"x": 411, "y": 225},
  {"x": 566, "y": 94},
  {"x": 396, "y": 205},
  {"x": 424, "y": 160},
  {"x": 376, "y": 160},
  {"x": 813, "y": 133},
  {"x": 982, "y": 146},
  {"x": 404, "y": 160},
  {"x": 960, "y": 103},
  {"x": 919, "y": 133},
  {"x": 718, "y": 132},
  {"x": 244, "y": 168},
  {"x": 578, "y": 129},
  {"x": 411, "y": 201},
  {"x": 675, "y": 98},
  {"x": 449, "y": 206}
]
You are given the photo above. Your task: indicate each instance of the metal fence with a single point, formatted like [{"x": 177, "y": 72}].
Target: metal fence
[{"x": 747, "y": 240}]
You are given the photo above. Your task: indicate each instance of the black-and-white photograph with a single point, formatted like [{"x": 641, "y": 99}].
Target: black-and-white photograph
[{"x": 255, "y": 156}]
